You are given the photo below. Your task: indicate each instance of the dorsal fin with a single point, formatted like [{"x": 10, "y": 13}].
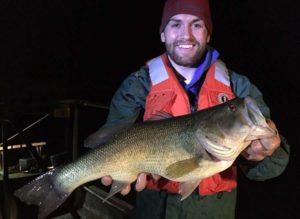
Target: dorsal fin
[
  {"x": 105, "y": 133},
  {"x": 159, "y": 115}
]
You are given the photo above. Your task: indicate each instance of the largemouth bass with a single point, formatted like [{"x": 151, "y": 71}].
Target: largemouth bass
[{"x": 185, "y": 149}]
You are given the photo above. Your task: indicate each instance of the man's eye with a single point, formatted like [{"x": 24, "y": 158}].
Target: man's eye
[
  {"x": 198, "y": 25},
  {"x": 174, "y": 25}
]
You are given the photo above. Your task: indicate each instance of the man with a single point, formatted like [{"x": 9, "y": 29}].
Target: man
[{"x": 190, "y": 77}]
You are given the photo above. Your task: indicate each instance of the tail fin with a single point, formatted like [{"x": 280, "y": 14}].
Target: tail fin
[{"x": 43, "y": 192}]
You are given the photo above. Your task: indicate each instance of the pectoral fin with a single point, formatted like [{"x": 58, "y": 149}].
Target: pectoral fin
[
  {"x": 106, "y": 133},
  {"x": 182, "y": 168},
  {"x": 186, "y": 188},
  {"x": 159, "y": 115}
]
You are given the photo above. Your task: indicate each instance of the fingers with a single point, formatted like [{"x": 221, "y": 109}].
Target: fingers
[
  {"x": 139, "y": 186},
  {"x": 271, "y": 124},
  {"x": 259, "y": 149},
  {"x": 141, "y": 182},
  {"x": 271, "y": 143},
  {"x": 126, "y": 190},
  {"x": 106, "y": 180}
]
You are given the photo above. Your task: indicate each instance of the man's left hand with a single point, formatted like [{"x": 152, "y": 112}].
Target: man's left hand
[{"x": 259, "y": 149}]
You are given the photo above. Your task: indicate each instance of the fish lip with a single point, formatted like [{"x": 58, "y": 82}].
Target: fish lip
[
  {"x": 254, "y": 115},
  {"x": 256, "y": 119}
]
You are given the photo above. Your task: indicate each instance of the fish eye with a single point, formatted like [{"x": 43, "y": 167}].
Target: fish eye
[{"x": 232, "y": 107}]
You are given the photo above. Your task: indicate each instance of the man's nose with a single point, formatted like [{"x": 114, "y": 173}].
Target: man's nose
[{"x": 186, "y": 32}]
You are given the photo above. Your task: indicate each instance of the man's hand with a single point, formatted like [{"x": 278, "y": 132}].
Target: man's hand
[
  {"x": 259, "y": 149},
  {"x": 139, "y": 185}
]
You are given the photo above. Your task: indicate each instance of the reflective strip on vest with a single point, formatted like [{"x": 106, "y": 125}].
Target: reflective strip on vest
[
  {"x": 221, "y": 73},
  {"x": 157, "y": 71}
]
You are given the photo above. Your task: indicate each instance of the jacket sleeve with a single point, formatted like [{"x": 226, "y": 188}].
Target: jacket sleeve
[
  {"x": 129, "y": 100},
  {"x": 126, "y": 105},
  {"x": 275, "y": 164}
]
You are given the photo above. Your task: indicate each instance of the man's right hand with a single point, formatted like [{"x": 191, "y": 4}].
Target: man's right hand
[{"x": 140, "y": 184}]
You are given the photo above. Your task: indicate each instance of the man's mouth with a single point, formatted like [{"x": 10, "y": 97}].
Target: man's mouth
[{"x": 185, "y": 46}]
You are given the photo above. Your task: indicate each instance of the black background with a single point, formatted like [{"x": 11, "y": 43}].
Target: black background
[{"x": 55, "y": 49}]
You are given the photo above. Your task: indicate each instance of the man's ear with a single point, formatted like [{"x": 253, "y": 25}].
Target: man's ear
[
  {"x": 162, "y": 37},
  {"x": 208, "y": 38}
]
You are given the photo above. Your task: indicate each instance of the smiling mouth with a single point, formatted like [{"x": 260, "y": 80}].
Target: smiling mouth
[{"x": 185, "y": 46}]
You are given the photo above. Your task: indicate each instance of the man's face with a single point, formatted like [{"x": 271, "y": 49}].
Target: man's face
[{"x": 185, "y": 37}]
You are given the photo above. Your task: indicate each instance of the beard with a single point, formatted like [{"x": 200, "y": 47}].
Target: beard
[{"x": 189, "y": 60}]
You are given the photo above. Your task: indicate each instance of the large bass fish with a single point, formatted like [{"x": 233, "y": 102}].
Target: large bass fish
[{"x": 185, "y": 149}]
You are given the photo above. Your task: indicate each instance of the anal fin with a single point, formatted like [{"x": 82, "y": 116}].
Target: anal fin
[
  {"x": 116, "y": 187},
  {"x": 186, "y": 188}
]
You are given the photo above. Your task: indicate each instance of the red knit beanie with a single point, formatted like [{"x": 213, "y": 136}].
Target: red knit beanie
[{"x": 199, "y": 8}]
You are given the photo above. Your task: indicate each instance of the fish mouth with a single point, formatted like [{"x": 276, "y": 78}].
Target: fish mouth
[
  {"x": 255, "y": 125},
  {"x": 254, "y": 114},
  {"x": 256, "y": 121}
]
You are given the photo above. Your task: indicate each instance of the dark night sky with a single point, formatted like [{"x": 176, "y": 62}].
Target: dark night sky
[{"x": 55, "y": 49}]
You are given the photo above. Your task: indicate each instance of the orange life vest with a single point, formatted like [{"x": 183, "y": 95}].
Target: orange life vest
[{"x": 166, "y": 94}]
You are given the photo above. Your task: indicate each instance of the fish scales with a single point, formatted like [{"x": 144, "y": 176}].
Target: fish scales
[
  {"x": 153, "y": 151},
  {"x": 185, "y": 149}
]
